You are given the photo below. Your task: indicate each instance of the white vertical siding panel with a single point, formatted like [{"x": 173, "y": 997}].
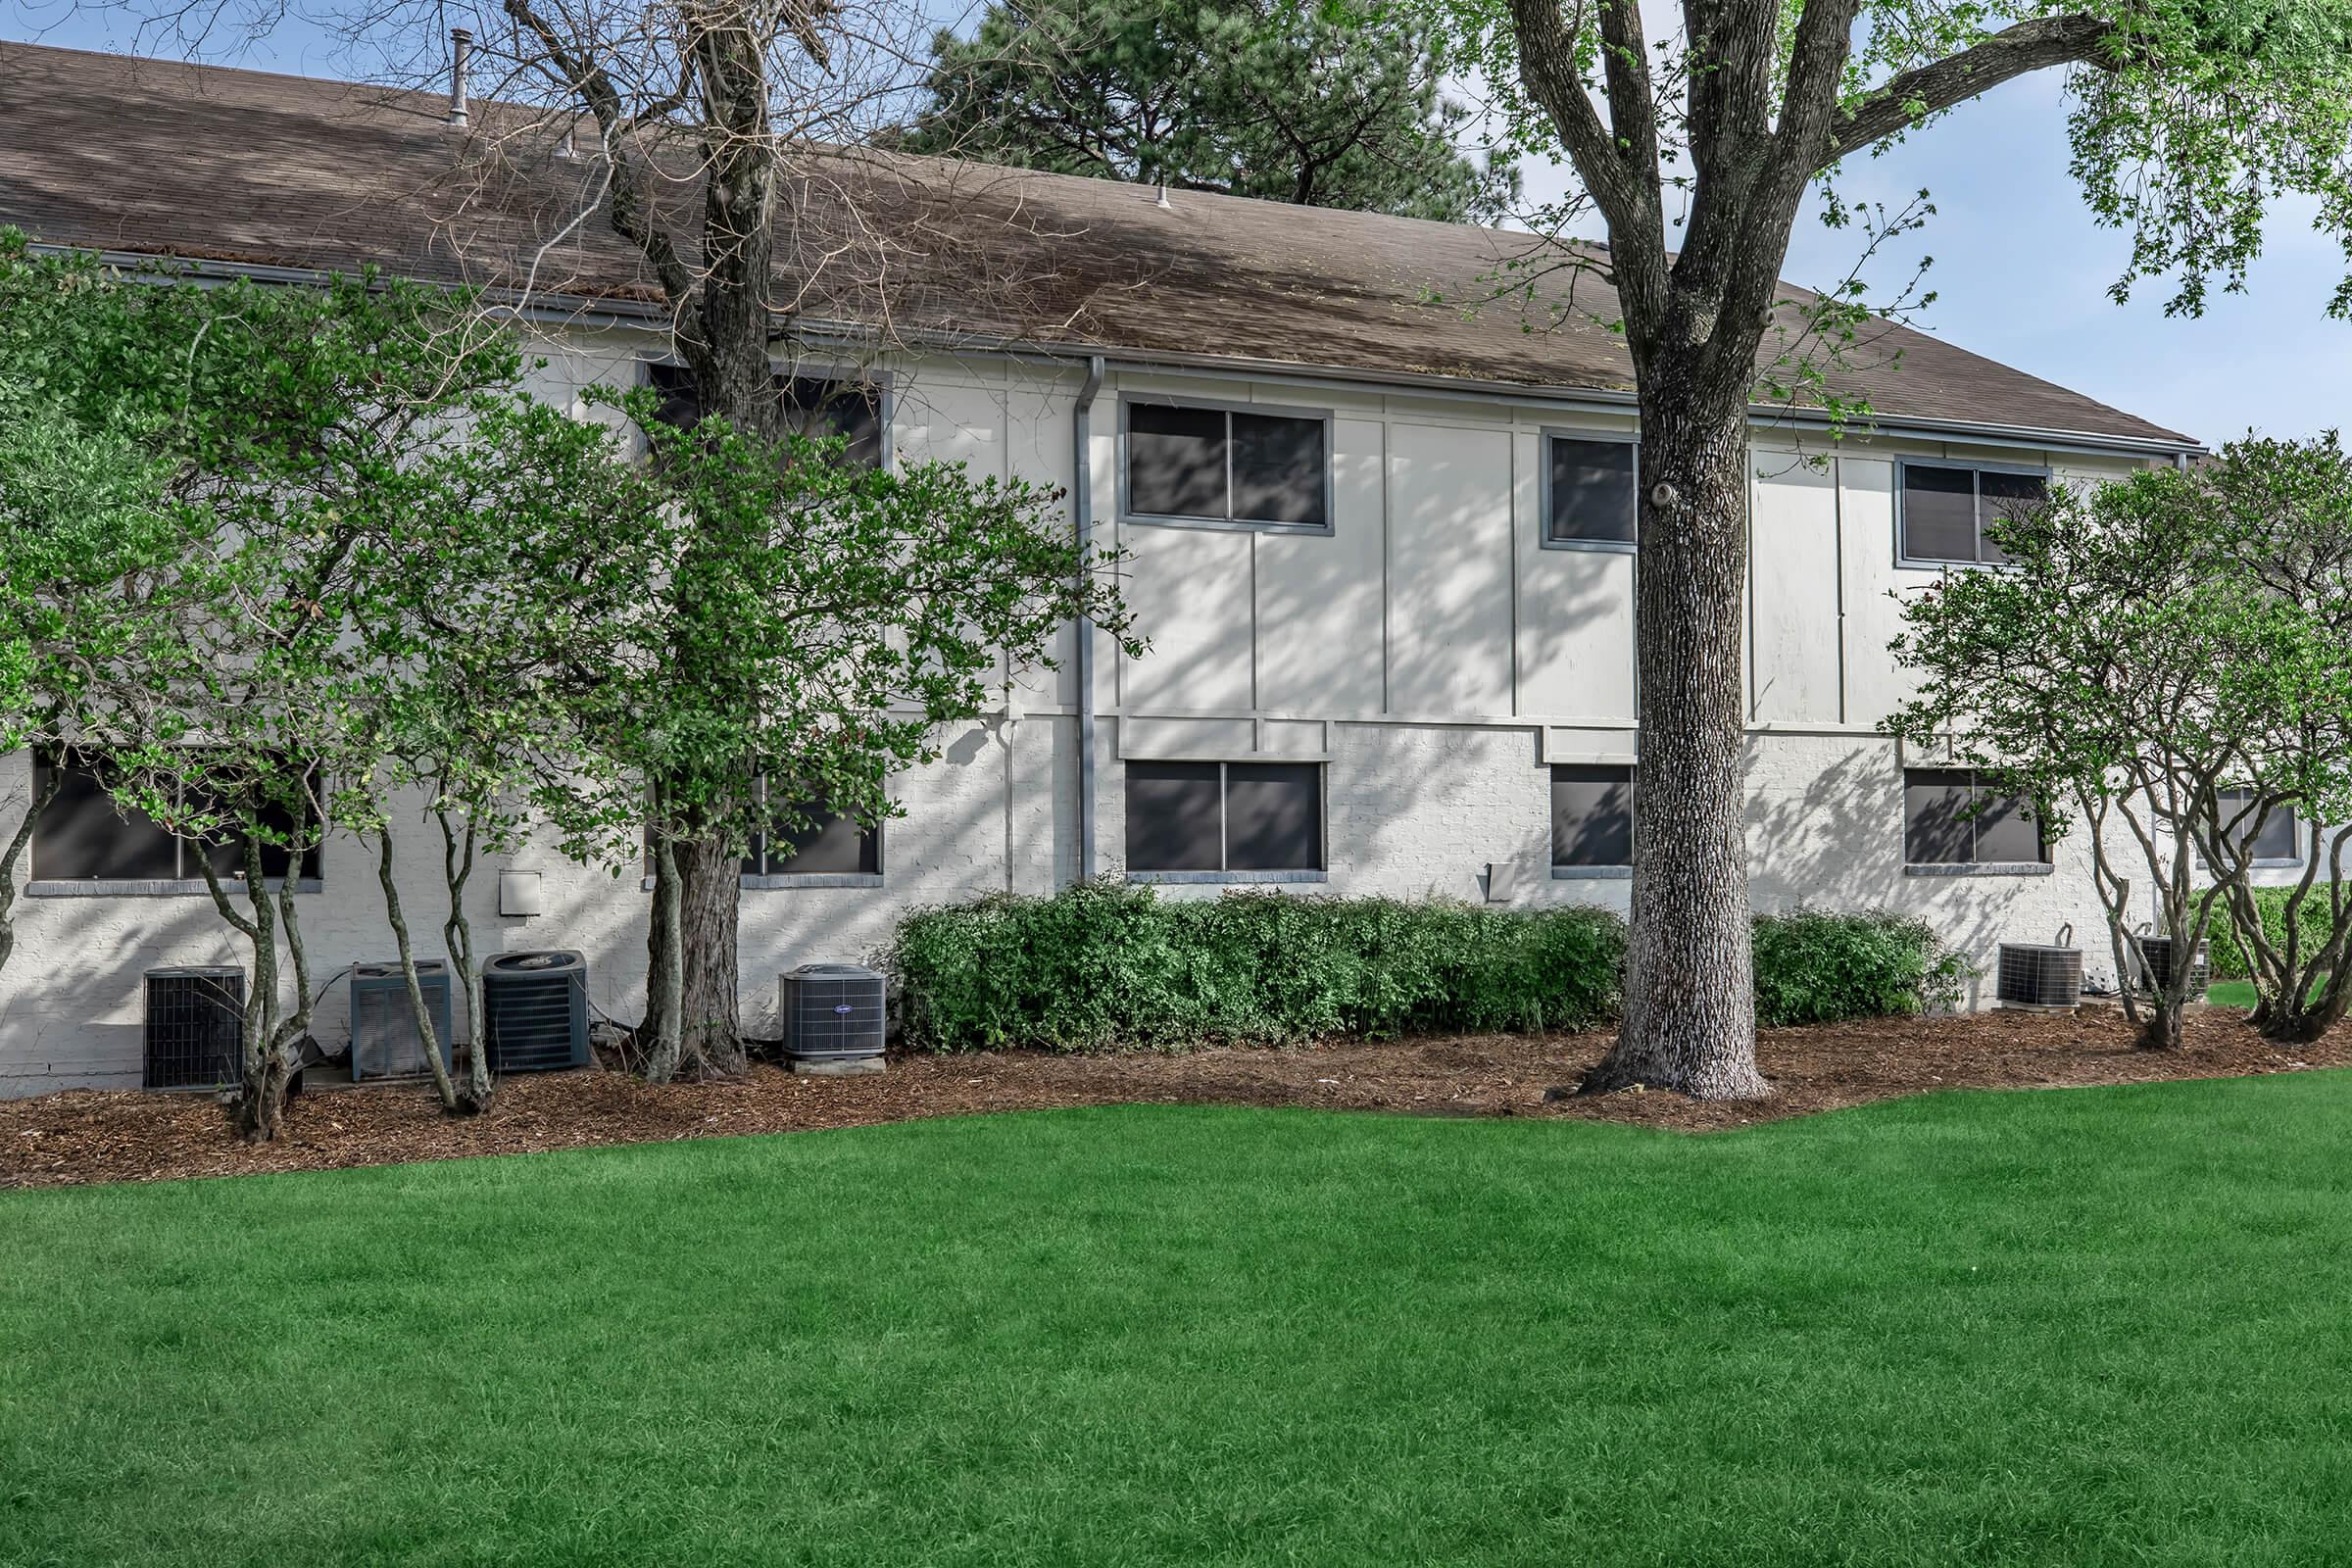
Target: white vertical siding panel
[
  {"x": 1319, "y": 598},
  {"x": 1793, "y": 584},
  {"x": 1449, "y": 570}
]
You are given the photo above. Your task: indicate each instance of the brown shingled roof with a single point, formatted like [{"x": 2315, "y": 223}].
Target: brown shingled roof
[{"x": 205, "y": 163}]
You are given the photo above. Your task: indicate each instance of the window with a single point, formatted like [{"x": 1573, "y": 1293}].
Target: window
[
  {"x": 1951, "y": 820},
  {"x": 1224, "y": 816},
  {"x": 1589, "y": 495},
  {"x": 1592, "y": 815},
  {"x": 81, "y": 836},
  {"x": 815, "y": 405},
  {"x": 1944, "y": 512},
  {"x": 2280, "y": 839},
  {"x": 1246, "y": 467},
  {"x": 831, "y": 845}
]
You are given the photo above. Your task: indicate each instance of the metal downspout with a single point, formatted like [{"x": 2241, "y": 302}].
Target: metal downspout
[{"x": 1082, "y": 510}]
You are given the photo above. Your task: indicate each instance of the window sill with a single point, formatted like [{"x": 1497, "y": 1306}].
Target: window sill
[
  {"x": 1592, "y": 873},
  {"x": 806, "y": 879},
  {"x": 1138, "y": 519},
  {"x": 1984, "y": 868},
  {"x": 137, "y": 888},
  {"x": 1237, "y": 878},
  {"x": 1606, "y": 547}
]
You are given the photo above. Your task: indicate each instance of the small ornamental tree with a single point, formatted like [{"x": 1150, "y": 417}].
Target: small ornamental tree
[
  {"x": 227, "y": 701},
  {"x": 488, "y": 567},
  {"x": 1247, "y": 97},
  {"x": 851, "y": 611},
  {"x": 2126, "y": 672},
  {"x": 2281, "y": 512}
]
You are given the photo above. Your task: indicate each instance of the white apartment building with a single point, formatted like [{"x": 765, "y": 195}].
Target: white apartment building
[{"x": 1383, "y": 548}]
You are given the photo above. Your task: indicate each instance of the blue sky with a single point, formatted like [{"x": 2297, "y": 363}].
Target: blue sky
[{"x": 2021, "y": 270}]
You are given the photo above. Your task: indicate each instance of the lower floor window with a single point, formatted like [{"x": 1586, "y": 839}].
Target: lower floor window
[
  {"x": 830, "y": 844},
  {"x": 2280, "y": 837},
  {"x": 1224, "y": 816},
  {"x": 1952, "y": 819},
  {"x": 1592, "y": 815},
  {"x": 83, "y": 836}
]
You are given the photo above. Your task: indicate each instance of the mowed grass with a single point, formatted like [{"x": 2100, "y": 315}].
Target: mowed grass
[{"x": 2077, "y": 1327}]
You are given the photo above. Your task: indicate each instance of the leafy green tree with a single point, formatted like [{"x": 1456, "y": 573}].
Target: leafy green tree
[
  {"x": 2164, "y": 663},
  {"x": 1265, "y": 98},
  {"x": 183, "y": 613},
  {"x": 1697, "y": 150},
  {"x": 855, "y": 611}
]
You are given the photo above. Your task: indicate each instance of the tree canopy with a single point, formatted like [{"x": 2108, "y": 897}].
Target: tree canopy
[{"x": 1258, "y": 98}]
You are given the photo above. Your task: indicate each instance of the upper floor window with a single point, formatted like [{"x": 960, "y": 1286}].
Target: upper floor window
[
  {"x": 1590, "y": 497},
  {"x": 1224, "y": 816},
  {"x": 1239, "y": 467},
  {"x": 1944, "y": 512},
  {"x": 817, "y": 406},
  {"x": 1592, "y": 815},
  {"x": 1951, "y": 818},
  {"x": 83, "y": 836}
]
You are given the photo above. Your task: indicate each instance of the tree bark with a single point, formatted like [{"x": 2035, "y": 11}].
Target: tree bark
[
  {"x": 443, "y": 1085},
  {"x": 1690, "y": 1003},
  {"x": 465, "y": 975},
  {"x": 665, "y": 971},
  {"x": 710, "y": 1029}
]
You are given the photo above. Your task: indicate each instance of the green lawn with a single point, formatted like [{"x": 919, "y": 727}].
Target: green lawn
[
  {"x": 2084, "y": 1327},
  {"x": 2233, "y": 993}
]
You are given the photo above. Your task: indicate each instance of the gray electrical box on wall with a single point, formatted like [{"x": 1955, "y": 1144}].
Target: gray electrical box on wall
[
  {"x": 519, "y": 893},
  {"x": 1499, "y": 879}
]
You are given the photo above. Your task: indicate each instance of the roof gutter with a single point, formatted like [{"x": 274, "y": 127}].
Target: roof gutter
[
  {"x": 1082, "y": 515},
  {"x": 575, "y": 310}
]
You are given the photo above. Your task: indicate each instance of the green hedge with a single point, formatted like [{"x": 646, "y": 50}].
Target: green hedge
[
  {"x": 1813, "y": 967},
  {"x": 2231, "y": 960},
  {"x": 1103, "y": 965}
]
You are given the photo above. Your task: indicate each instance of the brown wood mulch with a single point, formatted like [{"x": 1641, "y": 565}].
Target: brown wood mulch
[{"x": 104, "y": 1136}]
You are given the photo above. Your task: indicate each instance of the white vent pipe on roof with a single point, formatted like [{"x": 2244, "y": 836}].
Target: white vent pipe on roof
[{"x": 460, "y": 43}]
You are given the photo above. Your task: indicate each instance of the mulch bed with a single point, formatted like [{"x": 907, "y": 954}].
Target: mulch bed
[{"x": 114, "y": 1135}]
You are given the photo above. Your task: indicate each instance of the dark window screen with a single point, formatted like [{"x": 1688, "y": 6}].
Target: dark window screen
[
  {"x": 1940, "y": 514},
  {"x": 832, "y": 843},
  {"x": 1227, "y": 465},
  {"x": 82, "y": 837},
  {"x": 1592, "y": 815},
  {"x": 815, "y": 405},
  {"x": 1951, "y": 820},
  {"x": 1176, "y": 461},
  {"x": 1273, "y": 816},
  {"x": 1593, "y": 497},
  {"x": 1175, "y": 819},
  {"x": 1278, "y": 469},
  {"x": 2280, "y": 837},
  {"x": 2002, "y": 498}
]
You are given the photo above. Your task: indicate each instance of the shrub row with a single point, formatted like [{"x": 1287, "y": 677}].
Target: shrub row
[
  {"x": 2231, "y": 960},
  {"x": 1102, "y": 965}
]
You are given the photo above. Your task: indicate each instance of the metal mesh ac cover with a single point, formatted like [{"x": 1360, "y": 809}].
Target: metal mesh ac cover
[
  {"x": 2156, "y": 961},
  {"x": 386, "y": 1041},
  {"x": 833, "y": 1011},
  {"x": 2035, "y": 975},
  {"x": 195, "y": 1029}
]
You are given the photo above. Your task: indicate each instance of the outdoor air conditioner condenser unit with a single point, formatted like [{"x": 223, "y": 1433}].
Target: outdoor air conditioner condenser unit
[
  {"x": 2158, "y": 954},
  {"x": 385, "y": 1041},
  {"x": 833, "y": 1013},
  {"x": 535, "y": 1011},
  {"x": 195, "y": 1032},
  {"x": 2041, "y": 979}
]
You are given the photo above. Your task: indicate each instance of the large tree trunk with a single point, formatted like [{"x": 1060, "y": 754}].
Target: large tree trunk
[
  {"x": 1690, "y": 1003},
  {"x": 709, "y": 1033}
]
